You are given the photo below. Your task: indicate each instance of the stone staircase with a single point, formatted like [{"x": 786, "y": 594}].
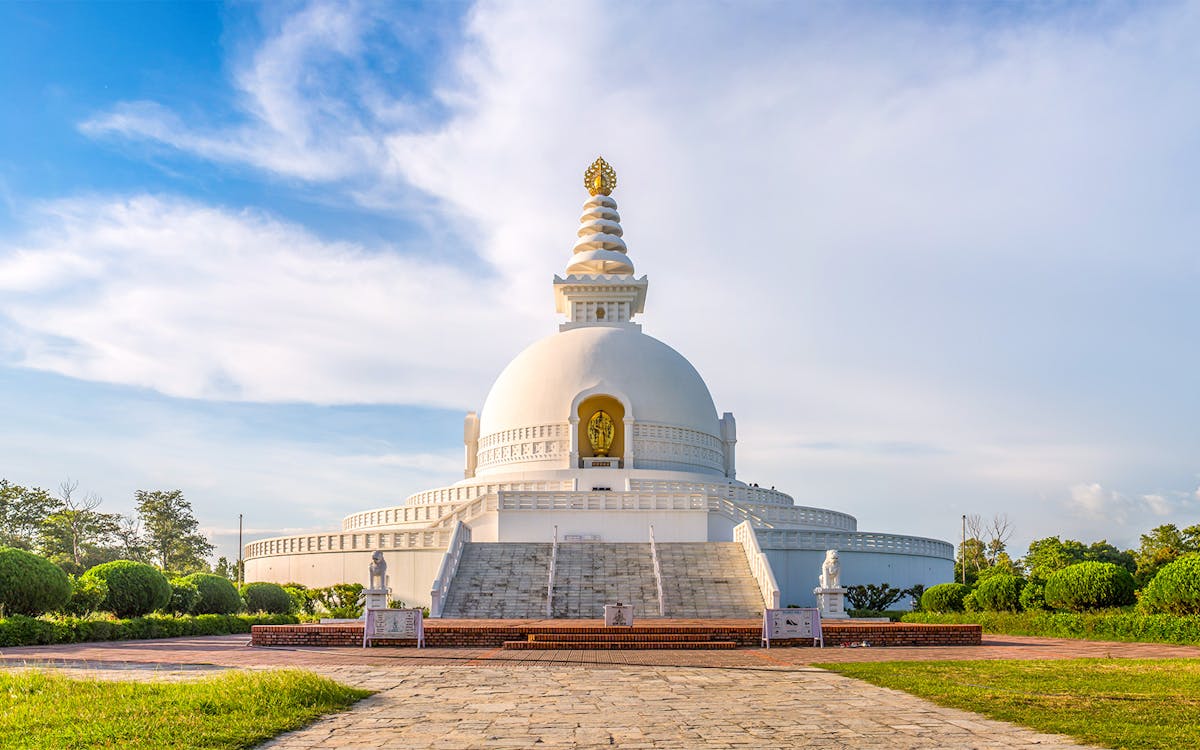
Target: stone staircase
[
  {"x": 500, "y": 580},
  {"x": 701, "y": 580},
  {"x": 705, "y": 580}
]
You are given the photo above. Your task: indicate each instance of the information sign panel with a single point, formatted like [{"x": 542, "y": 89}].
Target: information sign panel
[
  {"x": 618, "y": 615},
  {"x": 394, "y": 624},
  {"x": 794, "y": 622}
]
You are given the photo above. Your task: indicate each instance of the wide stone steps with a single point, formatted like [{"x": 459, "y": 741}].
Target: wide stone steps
[
  {"x": 500, "y": 580},
  {"x": 702, "y": 580}
]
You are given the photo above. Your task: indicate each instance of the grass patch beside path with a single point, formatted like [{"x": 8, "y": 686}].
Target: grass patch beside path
[
  {"x": 1118, "y": 703},
  {"x": 230, "y": 710}
]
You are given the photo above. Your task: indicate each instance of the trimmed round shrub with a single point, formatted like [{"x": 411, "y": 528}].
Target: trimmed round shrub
[
  {"x": 31, "y": 585},
  {"x": 1175, "y": 589},
  {"x": 1033, "y": 596},
  {"x": 218, "y": 595},
  {"x": 134, "y": 588},
  {"x": 184, "y": 596},
  {"x": 1000, "y": 593},
  {"x": 1089, "y": 585},
  {"x": 944, "y": 597},
  {"x": 267, "y": 597},
  {"x": 87, "y": 596}
]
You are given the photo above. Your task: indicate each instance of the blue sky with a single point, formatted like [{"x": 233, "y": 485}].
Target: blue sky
[{"x": 938, "y": 259}]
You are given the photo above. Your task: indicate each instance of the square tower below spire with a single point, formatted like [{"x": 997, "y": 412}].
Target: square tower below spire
[{"x": 599, "y": 300}]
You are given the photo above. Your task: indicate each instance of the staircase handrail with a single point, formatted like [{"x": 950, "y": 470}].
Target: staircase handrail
[
  {"x": 550, "y": 583},
  {"x": 760, "y": 566},
  {"x": 448, "y": 569},
  {"x": 657, "y": 572}
]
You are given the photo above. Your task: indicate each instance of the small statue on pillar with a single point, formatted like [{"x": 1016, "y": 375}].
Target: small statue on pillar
[
  {"x": 831, "y": 597},
  {"x": 377, "y": 589}
]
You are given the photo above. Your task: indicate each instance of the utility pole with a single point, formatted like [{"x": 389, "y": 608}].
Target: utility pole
[
  {"x": 241, "y": 564},
  {"x": 962, "y": 550}
]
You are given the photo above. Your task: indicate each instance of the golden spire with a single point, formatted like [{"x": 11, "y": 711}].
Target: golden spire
[{"x": 600, "y": 177}]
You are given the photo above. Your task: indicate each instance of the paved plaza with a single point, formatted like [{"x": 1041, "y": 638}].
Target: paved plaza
[{"x": 464, "y": 698}]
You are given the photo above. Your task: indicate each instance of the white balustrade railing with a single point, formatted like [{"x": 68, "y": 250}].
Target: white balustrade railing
[
  {"x": 657, "y": 573},
  {"x": 856, "y": 541},
  {"x": 348, "y": 542},
  {"x": 553, "y": 567},
  {"x": 440, "y": 589},
  {"x": 745, "y": 535}
]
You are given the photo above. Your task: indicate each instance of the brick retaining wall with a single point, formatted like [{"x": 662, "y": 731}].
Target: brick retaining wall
[{"x": 493, "y": 635}]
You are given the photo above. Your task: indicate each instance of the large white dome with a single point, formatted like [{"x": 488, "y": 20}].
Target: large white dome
[
  {"x": 526, "y": 420},
  {"x": 541, "y": 384}
]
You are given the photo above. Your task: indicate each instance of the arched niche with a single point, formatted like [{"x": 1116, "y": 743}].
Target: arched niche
[{"x": 615, "y": 409}]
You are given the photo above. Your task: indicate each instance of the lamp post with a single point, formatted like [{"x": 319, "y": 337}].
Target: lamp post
[
  {"x": 962, "y": 550},
  {"x": 240, "y": 564}
]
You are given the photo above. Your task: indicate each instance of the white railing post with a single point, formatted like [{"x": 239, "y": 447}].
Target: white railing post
[
  {"x": 447, "y": 570},
  {"x": 657, "y": 572},
  {"x": 550, "y": 583},
  {"x": 760, "y": 566}
]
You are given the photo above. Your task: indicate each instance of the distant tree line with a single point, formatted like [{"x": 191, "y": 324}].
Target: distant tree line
[
  {"x": 984, "y": 553},
  {"x": 70, "y": 528}
]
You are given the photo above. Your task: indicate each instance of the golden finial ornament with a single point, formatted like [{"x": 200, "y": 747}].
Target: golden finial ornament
[{"x": 600, "y": 178}]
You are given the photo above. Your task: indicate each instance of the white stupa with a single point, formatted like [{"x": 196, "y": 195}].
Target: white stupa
[{"x": 591, "y": 436}]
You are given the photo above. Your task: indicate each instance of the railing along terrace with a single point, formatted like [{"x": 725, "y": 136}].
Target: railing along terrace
[
  {"x": 440, "y": 589},
  {"x": 760, "y": 566},
  {"x": 857, "y": 541},
  {"x": 657, "y": 573},
  {"x": 553, "y": 568},
  {"x": 348, "y": 542},
  {"x": 600, "y": 501}
]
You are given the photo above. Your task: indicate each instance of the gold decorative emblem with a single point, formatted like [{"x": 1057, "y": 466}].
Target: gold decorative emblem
[
  {"x": 600, "y": 177},
  {"x": 601, "y": 433}
]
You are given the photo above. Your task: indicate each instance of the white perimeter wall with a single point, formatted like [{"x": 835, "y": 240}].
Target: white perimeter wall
[
  {"x": 797, "y": 571},
  {"x": 410, "y": 572}
]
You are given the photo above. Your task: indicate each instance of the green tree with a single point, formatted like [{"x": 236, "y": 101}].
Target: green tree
[
  {"x": 22, "y": 510},
  {"x": 1163, "y": 545},
  {"x": 1050, "y": 554},
  {"x": 77, "y": 535},
  {"x": 226, "y": 568},
  {"x": 170, "y": 531}
]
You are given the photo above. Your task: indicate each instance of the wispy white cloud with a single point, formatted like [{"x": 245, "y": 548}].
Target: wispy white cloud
[{"x": 200, "y": 302}]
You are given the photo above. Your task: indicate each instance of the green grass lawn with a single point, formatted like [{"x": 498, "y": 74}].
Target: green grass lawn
[
  {"x": 229, "y": 710},
  {"x": 1118, "y": 703}
]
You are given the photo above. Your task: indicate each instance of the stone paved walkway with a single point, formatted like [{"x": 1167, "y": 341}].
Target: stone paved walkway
[{"x": 489, "y": 698}]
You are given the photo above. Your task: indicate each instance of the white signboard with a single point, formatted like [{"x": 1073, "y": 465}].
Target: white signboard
[
  {"x": 394, "y": 624},
  {"x": 792, "y": 623},
  {"x": 618, "y": 615}
]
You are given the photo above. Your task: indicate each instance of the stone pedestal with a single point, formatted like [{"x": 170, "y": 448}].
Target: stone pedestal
[
  {"x": 832, "y": 603},
  {"x": 375, "y": 598}
]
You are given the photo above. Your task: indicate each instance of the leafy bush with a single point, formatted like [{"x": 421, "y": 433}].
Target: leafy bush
[
  {"x": 1033, "y": 596},
  {"x": 87, "y": 596},
  {"x": 1102, "y": 625},
  {"x": 342, "y": 600},
  {"x": 184, "y": 596},
  {"x": 1000, "y": 593},
  {"x": 218, "y": 596},
  {"x": 944, "y": 597},
  {"x": 1089, "y": 585},
  {"x": 1175, "y": 588},
  {"x": 304, "y": 599},
  {"x": 31, "y": 585},
  {"x": 872, "y": 596},
  {"x": 892, "y": 614},
  {"x": 19, "y": 630},
  {"x": 267, "y": 597},
  {"x": 134, "y": 588},
  {"x": 971, "y": 603}
]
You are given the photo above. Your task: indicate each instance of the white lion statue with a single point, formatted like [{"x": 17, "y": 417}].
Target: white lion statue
[
  {"x": 378, "y": 571},
  {"x": 831, "y": 570}
]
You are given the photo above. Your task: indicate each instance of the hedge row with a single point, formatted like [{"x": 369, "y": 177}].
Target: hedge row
[
  {"x": 29, "y": 631},
  {"x": 1104, "y": 625}
]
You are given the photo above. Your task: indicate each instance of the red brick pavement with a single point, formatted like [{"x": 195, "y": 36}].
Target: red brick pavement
[{"x": 235, "y": 651}]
